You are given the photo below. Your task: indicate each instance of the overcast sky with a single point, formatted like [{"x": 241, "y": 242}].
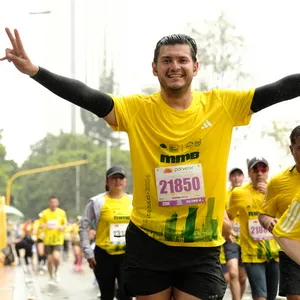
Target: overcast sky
[{"x": 28, "y": 111}]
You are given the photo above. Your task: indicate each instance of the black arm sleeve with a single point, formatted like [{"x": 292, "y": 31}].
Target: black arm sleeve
[
  {"x": 284, "y": 89},
  {"x": 76, "y": 92}
]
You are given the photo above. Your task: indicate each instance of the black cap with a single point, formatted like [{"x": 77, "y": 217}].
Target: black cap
[
  {"x": 115, "y": 170},
  {"x": 236, "y": 170},
  {"x": 255, "y": 160}
]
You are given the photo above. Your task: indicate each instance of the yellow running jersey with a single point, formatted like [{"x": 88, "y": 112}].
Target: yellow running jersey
[
  {"x": 53, "y": 220},
  {"x": 236, "y": 226},
  {"x": 179, "y": 162},
  {"x": 111, "y": 228},
  {"x": 281, "y": 190},
  {"x": 38, "y": 231},
  {"x": 257, "y": 244},
  {"x": 288, "y": 225}
]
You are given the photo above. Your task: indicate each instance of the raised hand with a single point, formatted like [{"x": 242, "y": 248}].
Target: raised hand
[{"x": 17, "y": 54}]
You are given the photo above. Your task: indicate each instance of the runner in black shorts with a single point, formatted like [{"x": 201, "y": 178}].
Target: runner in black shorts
[{"x": 193, "y": 270}]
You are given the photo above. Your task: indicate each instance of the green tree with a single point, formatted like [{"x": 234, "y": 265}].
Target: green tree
[
  {"x": 37, "y": 188},
  {"x": 7, "y": 167},
  {"x": 219, "y": 52},
  {"x": 280, "y": 132}
]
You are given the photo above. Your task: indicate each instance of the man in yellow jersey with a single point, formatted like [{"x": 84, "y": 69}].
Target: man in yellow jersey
[
  {"x": 282, "y": 188},
  {"x": 287, "y": 233},
  {"x": 258, "y": 246},
  {"x": 53, "y": 220},
  {"x": 177, "y": 138},
  {"x": 232, "y": 250},
  {"x": 109, "y": 213}
]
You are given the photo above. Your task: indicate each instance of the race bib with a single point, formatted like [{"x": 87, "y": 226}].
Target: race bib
[
  {"x": 257, "y": 232},
  {"x": 236, "y": 228},
  {"x": 52, "y": 224},
  {"x": 180, "y": 185},
  {"x": 117, "y": 233}
]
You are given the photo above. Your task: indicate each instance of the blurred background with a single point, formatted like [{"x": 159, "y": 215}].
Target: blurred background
[{"x": 109, "y": 45}]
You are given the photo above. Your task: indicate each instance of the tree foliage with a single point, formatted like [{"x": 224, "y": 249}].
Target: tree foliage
[
  {"x": 219, "y": 52},
  {"x": 36, "y": 188},
  {"x": 7, "y": 167}
]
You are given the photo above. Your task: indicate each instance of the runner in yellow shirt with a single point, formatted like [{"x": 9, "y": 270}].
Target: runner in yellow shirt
[
  {"x": 287, "y": 233},
  {"x": 78, "y": 255},
  {"x": 67, "y": 241},
  {"x": 53, "y": 221},
  {"x": 258, "y": 246},
  {"x": 232, "y": 250},
  {"x": 177, "y": 138},
  {"x": 282, "y": 188},
  {"x": 38, "y": 234},
  {"x": 109, "y": 213}
]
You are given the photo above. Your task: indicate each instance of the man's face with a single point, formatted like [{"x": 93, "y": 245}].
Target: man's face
[
  {"x": 236, "y": 178},
  {"x": 259, "y": 173},
  {"x": 295, "y": 150},
  {"x": 175, "y": 68},
  {"x": 116, "y": 182},
  {"x": 53, "y": 203}
]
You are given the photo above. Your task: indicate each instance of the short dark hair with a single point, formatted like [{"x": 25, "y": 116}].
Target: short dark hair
[
  {"x": 52, "y": 197},
  {"x": 294, "y": 134},
  {"x": 175, "y": 39}
]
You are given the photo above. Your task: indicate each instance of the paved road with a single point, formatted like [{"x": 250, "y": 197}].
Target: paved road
[
  {"x": 73, "y": 285},
  {"x": 76, "y": 285}
]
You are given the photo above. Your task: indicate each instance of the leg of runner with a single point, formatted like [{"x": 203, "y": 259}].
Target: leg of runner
[
  {"x": 120, "y": 286},
  {"x": 272, "y": 275},
  {"x": 235, "y": 288},
  {"x": 105, "y": 273},
  {"x": 289, "y": 277},
  {"x": 242, "y": 279},
  {"x": 256, "y": 273},
  {"x": 56, "y": 262},
  {"x": 78, "y": 257},
  {"x": 232, "y": 255}
]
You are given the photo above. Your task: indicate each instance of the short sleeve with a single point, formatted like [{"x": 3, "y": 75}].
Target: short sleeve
[
  {"x": 237, "y": 104},
  {"x": 126, "y": 108}
]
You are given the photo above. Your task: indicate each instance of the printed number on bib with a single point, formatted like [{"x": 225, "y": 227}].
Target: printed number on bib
[
  {"x": 257, "y": 232},
  {"x": 180, "y": 185},
  {"x": 52, "y": 224},
  {"x": 117, "y": 233},
  {"x": 236, "y": 228}
]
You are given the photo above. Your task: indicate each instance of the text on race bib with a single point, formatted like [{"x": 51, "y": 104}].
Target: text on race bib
[
  {"x": 257, "y": 232},
  {"x": 180, "y": 185},
  {"x": 52, "y": 224},
  {"x": 117, "y": 233}
]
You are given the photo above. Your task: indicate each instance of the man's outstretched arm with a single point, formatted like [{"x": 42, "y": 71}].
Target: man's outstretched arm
[
  {"x": 72, "y": 90},
  {"x": 284, "y": 89}
]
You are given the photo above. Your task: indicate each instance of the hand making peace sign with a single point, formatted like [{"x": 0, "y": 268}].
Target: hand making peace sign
[{"x": 17, "y": 54}]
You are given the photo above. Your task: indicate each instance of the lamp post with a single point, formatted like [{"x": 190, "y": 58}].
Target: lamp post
[{"x": 38, "y": 170}]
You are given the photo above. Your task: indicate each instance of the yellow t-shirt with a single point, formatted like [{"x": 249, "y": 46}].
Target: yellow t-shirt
[
  {"x": 67, "y": 232},
  {"x": 53, "y": 219},
  {"x": 248, "y": 201},
  {"x": 111, "y": 228},
  {"x": 288, "y": 225},
  {"x": 168, "y": 149},
  {"x": 38, "y": 231},
  {"x": 236, "y": 226},
  {"x": 282, "y": 188},
  {"x": 75, "y": 233}
]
